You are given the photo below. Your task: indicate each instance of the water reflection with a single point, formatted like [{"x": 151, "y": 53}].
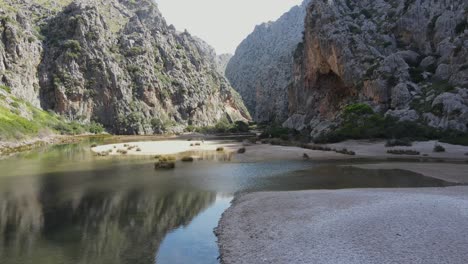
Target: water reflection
[
  {"x": 66, "y": 206},
  {"x": 42, "y": 222},
  {"x": 188, "y": 244},
  {"x": 21, "y": 216}
]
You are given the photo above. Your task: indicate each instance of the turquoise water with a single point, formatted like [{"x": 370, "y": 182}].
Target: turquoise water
[{"x": 63, "y": 205}]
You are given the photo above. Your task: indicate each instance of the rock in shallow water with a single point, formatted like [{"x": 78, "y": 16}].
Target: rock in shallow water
[{"x": 164, "y": 165}]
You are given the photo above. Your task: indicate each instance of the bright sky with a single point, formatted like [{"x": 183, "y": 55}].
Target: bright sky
[{"x": 222, "y": 23}]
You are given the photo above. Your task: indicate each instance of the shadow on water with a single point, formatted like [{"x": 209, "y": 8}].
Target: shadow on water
[
  {"x": 345, "y": 177},
  {"x": 64, "y": 205}
]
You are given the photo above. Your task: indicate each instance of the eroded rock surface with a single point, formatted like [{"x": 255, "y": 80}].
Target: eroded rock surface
[
  {"x": 408, "y": 59},
  {"x": 262, "y": 66},
  {"x": 112, "y": 61}
]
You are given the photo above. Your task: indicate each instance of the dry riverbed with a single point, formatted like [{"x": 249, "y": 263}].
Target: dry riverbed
[
  {"x": 371, "y": 149},
  {"x": 254, "y": 152},
  {"x": 260, "y": 152},
  {"x": 424, "y": 225}
]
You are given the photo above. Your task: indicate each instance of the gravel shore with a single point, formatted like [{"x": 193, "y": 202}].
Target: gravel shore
[{"x": 424, "y": 225}]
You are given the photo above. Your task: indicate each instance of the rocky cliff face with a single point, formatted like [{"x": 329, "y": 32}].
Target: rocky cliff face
[
  {"x": 222, "y": 61},
  {"x": 262, "y": 66},
  {"x": 407, "y": 59},
  {"x": 116, "y": 62}
]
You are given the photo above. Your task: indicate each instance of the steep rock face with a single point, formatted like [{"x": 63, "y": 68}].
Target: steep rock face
[
  {"x": 20, "y": 52},
  {"x": 262, "y": 66},
  {"x": 116, "y": 62},
  {"x": 407, "y": 59},
  {"x": 222, "y": 61}
]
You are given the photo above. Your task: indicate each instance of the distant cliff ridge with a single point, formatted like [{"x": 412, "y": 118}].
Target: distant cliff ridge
[
  {"x": 116, "y": 62},
  {"x": 222, "y": 61},
  {"x": 405, "y": 59},
  {"x": 262, "y": 66}
]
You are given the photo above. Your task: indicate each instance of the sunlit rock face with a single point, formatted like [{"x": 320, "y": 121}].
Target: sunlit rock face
[
  {"x": 262, "y": 66},
  {"x": 407, "y": 59},
  {"x": 112, "y": 61}
]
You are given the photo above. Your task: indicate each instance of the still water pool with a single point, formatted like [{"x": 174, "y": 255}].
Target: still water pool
[{"x": 63, "y": 205}]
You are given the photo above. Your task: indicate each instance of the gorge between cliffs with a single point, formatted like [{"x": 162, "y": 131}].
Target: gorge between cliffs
[{"x": 336, "y": 132}]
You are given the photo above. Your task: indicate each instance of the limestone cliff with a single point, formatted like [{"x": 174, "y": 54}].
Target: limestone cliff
[
  {"x": 262, "y": 66},
  {"x": 405, "y": 58},
  {"x": 116, "y": 62},
  {"x": 222, "y": 61}
]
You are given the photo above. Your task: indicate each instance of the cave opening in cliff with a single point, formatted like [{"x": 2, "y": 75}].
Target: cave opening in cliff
[{"x": 333, "y": 93}]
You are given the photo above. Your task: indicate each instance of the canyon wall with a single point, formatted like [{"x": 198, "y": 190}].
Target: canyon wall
[
  {"x": 116, "y": 62},
  {"x": 261, "y": 69},
  {"x": 406, "y": 59}
]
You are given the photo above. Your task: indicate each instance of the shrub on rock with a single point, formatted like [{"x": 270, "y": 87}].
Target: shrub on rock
[
  {"x": 403, "y": 152},
  {"x": 346, "y": 152},
  {"x": 166, "y": 158},
  {"x": 164, "y": 165},
  {"x": 122, "y": 151},
  {"x": 398, "y": 142},
  {"x": 439, "y": 148},
  {"x": 187, "y": 159}
]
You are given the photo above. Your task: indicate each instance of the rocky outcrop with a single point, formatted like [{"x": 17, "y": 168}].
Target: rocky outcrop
[
  {"x": 262, "y": 66},
  {"x": 115, "y": 62},
  {"x": 407, "y": 59},
  {"x": 20, "y": 52}
]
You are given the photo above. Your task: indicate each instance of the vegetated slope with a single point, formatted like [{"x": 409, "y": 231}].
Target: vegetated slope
[
  {"x": 20, "y": 119},
  {"x": 262, "y": 66},
  {"x": 407, "y": 60},
  {"x": 116, "y": 62}
]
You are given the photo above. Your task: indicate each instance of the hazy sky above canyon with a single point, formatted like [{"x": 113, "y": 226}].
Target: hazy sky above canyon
[{"x": 222, "y": 23}]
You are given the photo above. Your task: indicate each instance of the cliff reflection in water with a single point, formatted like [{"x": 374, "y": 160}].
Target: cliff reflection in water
[{"x": 40, "y": 223}]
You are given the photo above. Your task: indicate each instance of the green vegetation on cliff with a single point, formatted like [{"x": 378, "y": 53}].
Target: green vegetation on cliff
[
  {"x": 361, "y": 122},
  {"x": 114, "y": 62},
  {"x": 20, "y": 119},
  {"x": 223, "y": 126}
]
